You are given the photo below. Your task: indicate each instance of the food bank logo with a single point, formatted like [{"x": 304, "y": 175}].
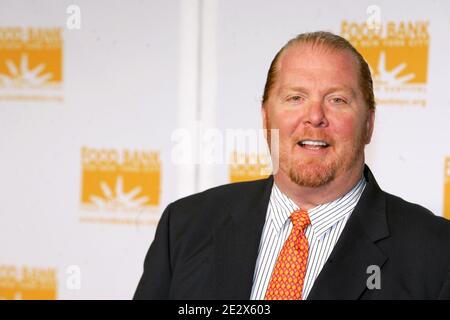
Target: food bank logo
[
  {"x": 397, "y": 53},
  {"x": 27, "y": 283},
  {"x": 31, "y": 63},
  {"x": 447, "y": 188},
  {"x": 119, "y": 186},
  {"x": 249, "y": 167}
]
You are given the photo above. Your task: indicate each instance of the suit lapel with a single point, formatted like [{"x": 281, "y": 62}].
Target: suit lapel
[
  {"x": 236, "y": 244},
  {"x": 344, "y": 276}
]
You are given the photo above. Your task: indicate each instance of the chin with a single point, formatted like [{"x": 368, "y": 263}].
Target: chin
[{"x": 312, "y": 175}]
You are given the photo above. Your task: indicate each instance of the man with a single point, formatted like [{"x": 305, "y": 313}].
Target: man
[{"x": 320, "y": 227}]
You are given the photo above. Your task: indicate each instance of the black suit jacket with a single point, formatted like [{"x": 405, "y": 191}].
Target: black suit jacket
[{"x": 206, "y": 246}]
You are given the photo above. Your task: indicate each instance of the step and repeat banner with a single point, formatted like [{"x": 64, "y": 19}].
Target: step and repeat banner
[
  {"x": 107, "y": 110},
  {"x": 88, "y": 98}
]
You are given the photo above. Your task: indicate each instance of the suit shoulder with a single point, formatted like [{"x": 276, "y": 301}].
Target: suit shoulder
[
  {"x": 416, "y": 218},
  {"x": 197, "y": 214},
  {"x": 220, "y": 195}
]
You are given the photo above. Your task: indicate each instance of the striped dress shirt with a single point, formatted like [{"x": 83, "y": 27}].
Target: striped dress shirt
[{"x": 327, "y": 222}]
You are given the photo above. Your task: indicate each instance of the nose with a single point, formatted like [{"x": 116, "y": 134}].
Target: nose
[{"x": 315, "y": 115}]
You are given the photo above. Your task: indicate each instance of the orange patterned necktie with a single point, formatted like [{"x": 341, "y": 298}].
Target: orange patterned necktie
[{"x": 289, "y": 272}]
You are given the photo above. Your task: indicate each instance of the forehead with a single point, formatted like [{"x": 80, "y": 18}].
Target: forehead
[{"x": 319, "y": 66}]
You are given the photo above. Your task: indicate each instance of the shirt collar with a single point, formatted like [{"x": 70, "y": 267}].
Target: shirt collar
[{"x": 323, "y": 216}]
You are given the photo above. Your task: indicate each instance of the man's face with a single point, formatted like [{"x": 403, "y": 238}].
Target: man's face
[{"x": 318, "y": 107}]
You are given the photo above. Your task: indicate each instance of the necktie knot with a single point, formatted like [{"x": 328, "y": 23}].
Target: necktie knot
[{"x": 300, "y": 219}]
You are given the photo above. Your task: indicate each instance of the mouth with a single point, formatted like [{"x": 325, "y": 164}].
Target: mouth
[{"x": 313, "y": 144}]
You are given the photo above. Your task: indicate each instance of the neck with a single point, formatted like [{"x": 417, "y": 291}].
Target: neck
[{"x": 309, "y": 197}]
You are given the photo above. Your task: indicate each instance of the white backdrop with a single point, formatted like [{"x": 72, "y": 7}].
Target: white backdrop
[{"x": 89, "y": 118}]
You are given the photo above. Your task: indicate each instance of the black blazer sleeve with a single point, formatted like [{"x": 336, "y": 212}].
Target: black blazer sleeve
[{"x": 156, "y": 279}]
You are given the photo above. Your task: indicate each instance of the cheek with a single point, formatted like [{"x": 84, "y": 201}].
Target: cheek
[
  {"x": 285, "y": 122},
  {"x": 346, "y": 129}
]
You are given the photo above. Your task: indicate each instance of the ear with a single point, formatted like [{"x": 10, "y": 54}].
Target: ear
[
  {"x": 264, "y": 116},
  {"x": 370, "y": 125}
]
